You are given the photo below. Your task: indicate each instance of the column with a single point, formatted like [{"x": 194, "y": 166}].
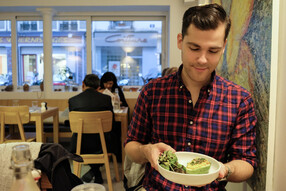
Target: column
[{"x": 47, "y": 14}]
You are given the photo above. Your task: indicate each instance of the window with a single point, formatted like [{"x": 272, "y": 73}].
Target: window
[
  {"x": 5, "y": 53},
  {"x": 69, "y": 53},
  {"x": 30, "y": 53},
  {"x": 129, "y": 49}
]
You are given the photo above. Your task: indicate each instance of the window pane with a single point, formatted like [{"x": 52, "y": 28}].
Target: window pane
[
  {"x": 69, "y": 54},
  {"x": 129, "y": 49},
  {"x": 5, "y": 54},
  {"x": 30, "y": 53}
]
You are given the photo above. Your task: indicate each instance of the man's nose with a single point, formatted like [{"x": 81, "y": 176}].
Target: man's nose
[{"x": 202, "y": 59}]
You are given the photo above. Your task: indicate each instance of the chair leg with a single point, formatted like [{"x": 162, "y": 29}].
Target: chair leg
[
  {"x": 77, "y": 168},
  {"x": 108, "y": 175},
  {"x": 115, "y": 166}
]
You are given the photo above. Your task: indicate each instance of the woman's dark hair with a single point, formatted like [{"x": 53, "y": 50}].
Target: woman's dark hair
[
  {"x": 109, "y": 76},
  {"x": 92, "y": 81},
  {"x": 206, "y": 17}
]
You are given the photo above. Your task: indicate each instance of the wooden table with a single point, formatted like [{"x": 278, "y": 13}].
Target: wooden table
[
  {"x": 123, "y": 118},
  {"x": 39, "y": 117}
]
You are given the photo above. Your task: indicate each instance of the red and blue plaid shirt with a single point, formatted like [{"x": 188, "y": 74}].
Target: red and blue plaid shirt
[{"x": 220, "y": 125}]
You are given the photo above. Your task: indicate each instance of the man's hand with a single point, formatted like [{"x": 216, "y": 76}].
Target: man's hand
[
  {"x": 236, "y": 171},
  {"x": 223, "y": 173},
  {"x": 153, "y": 151}
]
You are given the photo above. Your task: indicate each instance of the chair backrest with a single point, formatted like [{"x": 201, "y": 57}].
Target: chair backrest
[
  {"x": 14, "y": 115},
  {"x": 11, "y": 114},
  {"x": 90, "y": 121}
]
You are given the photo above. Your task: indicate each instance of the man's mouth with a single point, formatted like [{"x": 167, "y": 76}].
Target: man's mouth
[{"x": 200, "y": 69}]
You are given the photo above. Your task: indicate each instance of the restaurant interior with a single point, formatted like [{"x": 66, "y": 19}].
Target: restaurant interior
[{"x": 47, "y": 47}]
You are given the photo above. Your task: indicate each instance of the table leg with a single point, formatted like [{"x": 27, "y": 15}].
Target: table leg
[
  {"x": 124, "y": 126},
  {"x": 39, "y": 129},
  {"x": 56, "y": 127}
]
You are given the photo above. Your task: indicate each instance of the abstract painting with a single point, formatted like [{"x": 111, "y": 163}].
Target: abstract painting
[{"x": 247, "y": 61}]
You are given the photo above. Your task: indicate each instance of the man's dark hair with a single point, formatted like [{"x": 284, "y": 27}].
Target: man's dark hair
[
  {"x": 207, "y": 17},
  {"x": 92, "y": 81}
]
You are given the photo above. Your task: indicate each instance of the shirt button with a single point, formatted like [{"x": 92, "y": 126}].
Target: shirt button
[
  {"x": 189, "y": 144},
  {"x": 190, "y": 101},
  {"x": 209, "y": 91},
  {"x": 191, "y": 122},
  {"x": 181, "y": 87}
]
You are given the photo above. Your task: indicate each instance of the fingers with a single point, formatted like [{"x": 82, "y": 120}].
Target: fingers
[
  {"x": 154, "y": 152},
  {"x": 222, "y": 173}
]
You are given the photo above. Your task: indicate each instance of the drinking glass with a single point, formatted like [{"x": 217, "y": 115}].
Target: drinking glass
[{"x": 34, "y": 105}]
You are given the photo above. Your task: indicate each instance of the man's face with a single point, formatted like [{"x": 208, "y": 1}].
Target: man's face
[{"x": 200, "y": 52}]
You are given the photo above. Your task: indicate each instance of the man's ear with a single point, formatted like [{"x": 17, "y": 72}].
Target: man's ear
[
  {"x": 224, "y": 45},
  {"x": 179, "y": 41},
  {"x": 83, "y": 86}
]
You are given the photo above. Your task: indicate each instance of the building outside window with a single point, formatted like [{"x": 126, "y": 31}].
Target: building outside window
[
  {"x": 69, "y": 54},
  {"x": 30, "y": 52},
  {"x": 130, "y": 49},
  {"x": 5, "y": 53}
]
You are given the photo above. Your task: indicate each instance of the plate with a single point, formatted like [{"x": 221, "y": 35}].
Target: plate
[{"x": 192, "y": 179}]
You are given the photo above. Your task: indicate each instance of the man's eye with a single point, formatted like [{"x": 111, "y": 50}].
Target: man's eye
[
  {"x": 194, "y": 49},
  {"x": 213, "y": 51}
]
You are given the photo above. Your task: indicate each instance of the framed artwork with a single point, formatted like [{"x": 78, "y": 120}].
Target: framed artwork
[{"x": 114, "y": 67}]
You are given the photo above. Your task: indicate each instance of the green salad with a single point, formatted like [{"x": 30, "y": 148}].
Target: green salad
[{"x": 169, "y": 161}]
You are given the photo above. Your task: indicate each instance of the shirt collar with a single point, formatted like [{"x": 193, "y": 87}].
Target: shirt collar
[{"x": 207, "y": 88}]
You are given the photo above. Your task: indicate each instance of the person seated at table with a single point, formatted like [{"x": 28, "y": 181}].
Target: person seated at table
[
  {"x": 92, "y": 100},
  {"x": 109, "y": 81}
]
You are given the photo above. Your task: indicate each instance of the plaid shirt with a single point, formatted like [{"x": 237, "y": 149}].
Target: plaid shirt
[{"x": 220, "y": 125}]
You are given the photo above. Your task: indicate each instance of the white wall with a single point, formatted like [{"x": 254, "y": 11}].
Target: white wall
[{"x": 279, "y": 130}]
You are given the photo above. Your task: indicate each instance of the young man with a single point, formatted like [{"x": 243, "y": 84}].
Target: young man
[
  {"x": 91, "y": 100},
  {"x": 195, "y": 109}
]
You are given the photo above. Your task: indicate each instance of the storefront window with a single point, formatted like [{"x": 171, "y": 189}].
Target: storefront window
[
  {"x": 5, "y": 53},
  {"x": 130, "y": 49},
  {"x": 69, "y": 54},
  {"x": 30, "y": 53}
]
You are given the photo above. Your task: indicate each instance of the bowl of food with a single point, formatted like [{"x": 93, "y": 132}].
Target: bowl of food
[{"x": 188, "y": 168}]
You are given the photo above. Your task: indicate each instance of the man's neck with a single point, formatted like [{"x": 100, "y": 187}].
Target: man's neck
[{"x": 193, "y": 87}]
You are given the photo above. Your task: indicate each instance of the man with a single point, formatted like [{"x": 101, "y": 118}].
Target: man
[
  {"x": 194, "y": 109},
  {"x": 91, "y": 100}
]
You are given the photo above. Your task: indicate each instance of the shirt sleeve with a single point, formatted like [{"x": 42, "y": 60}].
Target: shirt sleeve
[
  {"x": 139, "y": 127},
  {"x": 243, "y": 144}
]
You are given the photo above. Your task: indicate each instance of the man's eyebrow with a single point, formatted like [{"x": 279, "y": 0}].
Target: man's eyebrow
[
  {"x": 193, "y": 44},
  {"x": 196, "y": 45}
]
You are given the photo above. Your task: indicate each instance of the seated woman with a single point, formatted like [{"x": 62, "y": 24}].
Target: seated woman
[{"x": 109, "y": 81}]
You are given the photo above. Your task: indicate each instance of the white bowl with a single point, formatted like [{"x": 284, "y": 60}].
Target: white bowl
[{"x": 192, "y": 179}]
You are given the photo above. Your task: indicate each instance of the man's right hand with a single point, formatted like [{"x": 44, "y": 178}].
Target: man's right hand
[{"x": 153, "y": 151}]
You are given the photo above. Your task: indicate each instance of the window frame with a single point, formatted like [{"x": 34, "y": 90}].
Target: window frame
[{"x": 88, "y": 17}]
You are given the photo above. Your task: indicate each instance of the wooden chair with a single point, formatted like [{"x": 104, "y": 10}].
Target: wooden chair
[
  {"x": 15, "y": 115},
  {"x": 91, "y": 123}
]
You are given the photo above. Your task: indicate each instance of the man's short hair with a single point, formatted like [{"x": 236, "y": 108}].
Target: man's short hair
[
  {"x": 207, "y": 17},
  {"x": 92, "y": 81}
]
